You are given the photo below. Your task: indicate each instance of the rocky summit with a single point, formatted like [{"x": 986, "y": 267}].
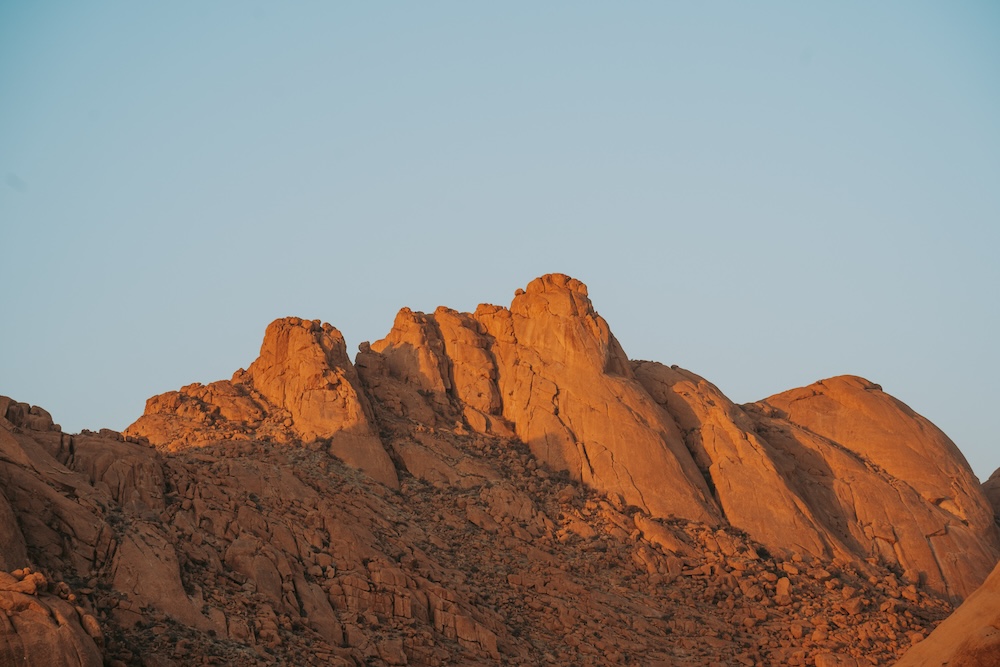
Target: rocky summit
[{"x": 497, "y": 487}]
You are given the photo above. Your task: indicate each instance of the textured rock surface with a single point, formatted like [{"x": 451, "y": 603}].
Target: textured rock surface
[
  {"x": 968, "y": 638},
  {"x": 550, "y": 370},
  {"x": 302, "y": 387},
  {"x": 898, "y": 487},
  {"x": 568, "y": 388},
  {"x": 497, "y": 487},
  {"x": 41, "y": 629},
  {"x": 255, "y": 552},
  {"x": 837, "y": 469},
  {"x": 749, "y": 479},
  {"x": 991, "y": 488}
]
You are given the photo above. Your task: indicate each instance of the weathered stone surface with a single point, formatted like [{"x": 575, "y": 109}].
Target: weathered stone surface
[
  {"x": 898, "y": 487},
  {"x": 970, "y": 637},
  {"x": 748, "y": 483},
  {"x": 14, "y": 553},
  {"x": 800, "y": 490},
  {"x": 991, "y": 489},
  {"x": 297, "y": 559},
  {"x": 555, "y": 503},
  {"x": 569, "y": 390},
  {"x": 44, "y": 630},
  {"x": 147, "y": 571},
  {"x": 302, "y": 387}
]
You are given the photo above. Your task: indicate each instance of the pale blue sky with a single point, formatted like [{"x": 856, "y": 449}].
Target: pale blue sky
[{"x": 765, "y": 193}]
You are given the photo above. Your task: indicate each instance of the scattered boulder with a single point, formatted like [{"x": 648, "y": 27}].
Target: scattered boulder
[
  {"x": 497, "y": 486},
  {"x": 970, "y": 637}
]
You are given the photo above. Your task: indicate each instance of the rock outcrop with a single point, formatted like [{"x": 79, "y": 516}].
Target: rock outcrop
[
  {"x": 503, "y": 486},
  {"x": 550, "y": 370},
  {"x": 750, "y": 481},
  {"x": 37, "y": 628},
  {"x": 259, "y": 552},
  {"x": 895, "y": 485},
  {"x": 968, "y": 638},
  {"x": 991, "y": 488},
  {"x": 303, "y": 386},
  {"x": 837, "y": 469}
]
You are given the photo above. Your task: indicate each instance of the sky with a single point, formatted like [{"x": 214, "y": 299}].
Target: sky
[{"x": 767, "y": 194}]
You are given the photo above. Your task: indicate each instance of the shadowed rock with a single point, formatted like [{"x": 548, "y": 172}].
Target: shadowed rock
[
  {"x": 505, "y": 487},
  {"x": 968, "y": 638},
  {"x": 302, "y": 388}
]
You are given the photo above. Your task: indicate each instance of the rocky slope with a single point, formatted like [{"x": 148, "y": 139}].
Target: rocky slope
[
  {"x": 503, "y": 486},
  {"x": 968, "y": 638}
]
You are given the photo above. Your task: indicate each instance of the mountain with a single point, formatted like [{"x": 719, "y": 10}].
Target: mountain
[{"x": 503, "y": 486}]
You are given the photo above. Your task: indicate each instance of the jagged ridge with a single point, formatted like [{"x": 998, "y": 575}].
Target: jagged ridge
[{"x": 642, "y": 468}]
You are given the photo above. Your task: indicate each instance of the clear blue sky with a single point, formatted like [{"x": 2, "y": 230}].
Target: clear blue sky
[{"x": 764, "y": 193}]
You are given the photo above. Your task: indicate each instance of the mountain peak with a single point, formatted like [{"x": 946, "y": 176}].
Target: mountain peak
[{"x": 472, "y": 470}]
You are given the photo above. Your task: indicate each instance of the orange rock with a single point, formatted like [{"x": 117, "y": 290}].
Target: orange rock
[
  {"x": 898, "y": 486},
  {"x": 748, "y": 481},
  {"x": 991, "y": 488},
  {"x": 44, "y": 631},
  {"x": 556, "y": 502},
  {"x": 302, "y": 387},
  {"x": 969, "y": 637},
  {"x": 569, "y": 390}
]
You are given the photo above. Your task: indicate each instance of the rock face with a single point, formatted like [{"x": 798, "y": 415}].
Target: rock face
[
  {"x": 303, "y": 386},
  {"x": 991, "y": 488},
  {"x": 750, "y": 480},
  {"x": 503, "y": 486},
  {"x": 896, "y": 483},
  {"x": 837, "y": 469},
  {"x": 968, "y": 638},
  {"x": 42, "y": 629},
  {"x": 550, "y": 370}
]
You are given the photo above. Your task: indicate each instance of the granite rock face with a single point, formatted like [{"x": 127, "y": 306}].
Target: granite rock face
[
  {"x": 991, "y": 488},
  {"x": 549, "y": 370},
  {"x": 968, "y": 638},
  {"x": 302, "y": 387},
  {"x": 896, "y": 486},
  {"x": 837, "y": 470},
  {"x": 503, "y": 486}
]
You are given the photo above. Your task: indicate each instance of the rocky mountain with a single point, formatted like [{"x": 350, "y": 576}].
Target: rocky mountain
[{"x": 496, "y": 487}]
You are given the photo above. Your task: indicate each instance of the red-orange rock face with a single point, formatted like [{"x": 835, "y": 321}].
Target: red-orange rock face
[
  {"x": 838, "y": 469},
  {"x": 991, "y": 488},
  {"x": 303, "y": 386},
  {"x": 751, "y": 482},
  {"x": 551, "y": 369},
  {"x": 899, "y": 486},
  {"x": 968, "y": 638},
  {"x": 567, "y": 386},
  {"x": 505, "y": 484}
]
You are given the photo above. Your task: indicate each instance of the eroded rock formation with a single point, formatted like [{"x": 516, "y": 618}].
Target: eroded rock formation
[
  {"x": 991, "y": 488},
  {"x": 502, "y": 486},
  {"x": 551, "y": 369},
  {"x": 968, "y": 638},
  {"x": 303, "y": 386}
]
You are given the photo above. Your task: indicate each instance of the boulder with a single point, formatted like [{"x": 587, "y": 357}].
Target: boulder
[
  {"x": 970, "y": 637},
  {"x": 302, "y": 388},
  {"x": 747, "y": 477},
  {"x": 45, "y": 630},
  {"x": 568, "y": 388},
  {"x": 897, "y": 486}
]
